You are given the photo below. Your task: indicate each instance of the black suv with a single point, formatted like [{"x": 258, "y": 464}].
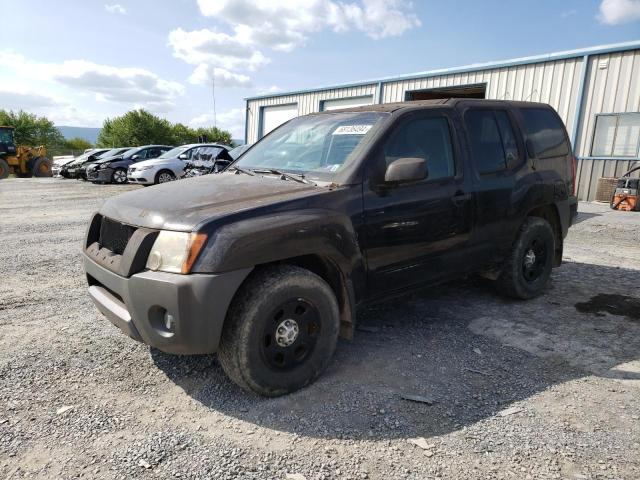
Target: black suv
[
  {"x": 114, "y": 169},
  {"x": 266, "y": 262}
]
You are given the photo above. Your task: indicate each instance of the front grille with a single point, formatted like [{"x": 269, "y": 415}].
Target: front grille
[{"x": 114, "y": 236}]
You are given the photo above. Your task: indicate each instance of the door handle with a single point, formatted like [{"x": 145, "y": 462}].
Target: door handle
[{"x": 460, "y": 198}]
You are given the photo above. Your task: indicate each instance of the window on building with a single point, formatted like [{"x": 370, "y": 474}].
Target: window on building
[
  {"x": 546, "y": 132},
  {"x": 616, "y": 135},
  {"x": 427, "y": 138}
]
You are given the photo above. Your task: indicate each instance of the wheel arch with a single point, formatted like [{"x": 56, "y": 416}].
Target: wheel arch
[{"x": 164, "y": 169}]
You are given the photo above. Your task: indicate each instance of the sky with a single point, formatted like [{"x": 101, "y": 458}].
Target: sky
[{"x": 81, "y": 61}]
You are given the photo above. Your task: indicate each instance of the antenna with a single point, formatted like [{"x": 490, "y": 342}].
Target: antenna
[
  {"x": 213, "y": 95},
  {"x": 531, "y": 95}
]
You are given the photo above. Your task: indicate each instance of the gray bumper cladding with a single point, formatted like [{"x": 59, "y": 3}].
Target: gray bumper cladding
[{"x": 175, "y": 313}]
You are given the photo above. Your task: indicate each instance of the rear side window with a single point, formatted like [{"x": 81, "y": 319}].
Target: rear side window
[
  {"x": 546, "y": 132},
  {"x": 493, "y": 142}
]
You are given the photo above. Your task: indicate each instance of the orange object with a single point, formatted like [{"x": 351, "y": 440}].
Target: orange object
[{"x": 628, "y": 203}]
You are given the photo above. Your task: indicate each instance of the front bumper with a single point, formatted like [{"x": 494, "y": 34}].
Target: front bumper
[
  {"x": 141, "y": 176},
  {"x": 100, "y": 175},
  {"x": 139, "y": 305}
]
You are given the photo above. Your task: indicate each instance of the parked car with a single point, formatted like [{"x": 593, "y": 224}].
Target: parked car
[
  {"x": 209, "y": 160},
  {"x": 266, "y": 262},
  {"x": 114, "y": 169},
  {"x": 239, "y": 150},
  {"x": 70, "y": 170},
  {"x": 170, "y": 165},
  {"x": 111, "y": 154},
  {"x": 59, "y": 162}
]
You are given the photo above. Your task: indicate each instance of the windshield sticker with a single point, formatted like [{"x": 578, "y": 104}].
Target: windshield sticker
[{"x": 352, "y": 130}]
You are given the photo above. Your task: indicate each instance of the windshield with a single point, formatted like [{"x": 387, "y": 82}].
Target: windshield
[
  {"x": 317, "y": 145},
  {"x": 174, "y": 152},
  {"x": 6, "y": 135},
  {"x": 109, "y": 153}
]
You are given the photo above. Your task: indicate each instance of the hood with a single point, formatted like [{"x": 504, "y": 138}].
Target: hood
[
  {"x": 184, "y": 204},
  {"x": 108, "y": 159}
]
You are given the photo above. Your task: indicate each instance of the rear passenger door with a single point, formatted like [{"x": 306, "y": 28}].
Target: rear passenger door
[
  {"x": 417, "y": 232},
  {"x": 496, "y": 156}
]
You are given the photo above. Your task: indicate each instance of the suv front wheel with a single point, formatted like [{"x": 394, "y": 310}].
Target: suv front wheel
[
  {"x": 527, "y": 270},
  {"x": 281, "y": 331}
]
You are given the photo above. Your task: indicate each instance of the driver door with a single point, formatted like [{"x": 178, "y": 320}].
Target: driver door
[{"x": 417, "y": 232}]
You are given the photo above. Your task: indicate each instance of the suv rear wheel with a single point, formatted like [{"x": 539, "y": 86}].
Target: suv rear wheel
[
  {"x": 281, "y": 331},
  {"x": 527, "y": 270}
]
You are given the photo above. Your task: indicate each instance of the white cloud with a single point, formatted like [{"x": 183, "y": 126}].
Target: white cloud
[
  {"x": 568, "y": 13},
  {"x": 18, "y": 98},
  {"x": 115, "y": 8},
  {"x": 216, "y": 49},
  {"x": 282, "y": 25},
  {"x": 203, "y": 74},
  {"x": 231, "y": 120},
  {"x": 135, "y": 87},
  {"x": 615, "y": 12}
]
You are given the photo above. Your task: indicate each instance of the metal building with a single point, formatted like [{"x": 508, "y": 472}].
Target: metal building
[{"x": 595, "y": 90}]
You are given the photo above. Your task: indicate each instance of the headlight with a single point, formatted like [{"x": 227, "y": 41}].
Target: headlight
[
  {"x": 145, "y": 168},
  {"x": 175, "y": 252},
  {"x": 103, "y": 166}
]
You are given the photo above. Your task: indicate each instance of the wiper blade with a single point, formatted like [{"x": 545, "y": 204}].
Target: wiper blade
[
  {"x": 300, "y": 178},
  {"x": 242, "y": 170}
]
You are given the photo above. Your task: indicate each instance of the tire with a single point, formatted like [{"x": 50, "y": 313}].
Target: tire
[
  {"x": 527, "y": 270},
  {"x": 164, "y": 176},
  {"x": 119, "y": 176},
  {"x": 281, "y": 331},
  {"x": 41, "y": 167},
  {"x": 4, "y": 169}
]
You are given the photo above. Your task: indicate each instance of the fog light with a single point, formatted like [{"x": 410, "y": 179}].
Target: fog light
[{"x": 169, "y": 322}]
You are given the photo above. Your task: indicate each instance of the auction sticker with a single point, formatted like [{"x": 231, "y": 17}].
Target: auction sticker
[{"x": 352, "y": 130}]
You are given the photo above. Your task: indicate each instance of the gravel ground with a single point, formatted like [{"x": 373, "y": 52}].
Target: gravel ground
[{"x": 548, "y": 388}]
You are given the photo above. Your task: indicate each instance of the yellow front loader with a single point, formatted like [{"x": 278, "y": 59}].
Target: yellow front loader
[{"x": 22, "y": 160}]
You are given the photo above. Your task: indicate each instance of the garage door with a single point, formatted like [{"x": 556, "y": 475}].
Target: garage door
[
  {"x": 346, "y": 102},
  {"x": 275, "y": 116}
]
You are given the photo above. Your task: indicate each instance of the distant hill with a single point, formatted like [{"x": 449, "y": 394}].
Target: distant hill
[{"x": 89, "y": 134}]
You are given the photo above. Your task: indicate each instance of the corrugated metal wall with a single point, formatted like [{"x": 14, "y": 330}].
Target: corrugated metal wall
[
  {"x": 615, "y": 88},
  {"x": 612, "y": 86},
  {"x": 307, "y": 103}
]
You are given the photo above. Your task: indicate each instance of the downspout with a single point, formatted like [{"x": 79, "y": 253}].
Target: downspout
[
  {"x": 577, "y": 120},
  {"x": 379, "y": 92},
  {"x": 246, "y": 121}
]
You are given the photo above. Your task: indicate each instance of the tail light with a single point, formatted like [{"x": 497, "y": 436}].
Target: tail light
[{"x": 574, "y": 171}]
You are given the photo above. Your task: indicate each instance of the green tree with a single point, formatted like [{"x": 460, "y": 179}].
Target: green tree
[
  {"x": 32, "y": 130},
  {"x": 137, "y": 127},
  {"x": 76, "y": 145}
]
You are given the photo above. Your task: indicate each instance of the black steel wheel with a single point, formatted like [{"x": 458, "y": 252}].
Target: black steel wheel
[
  {"x": 292, "y": 334},
  {"x": 281, "y": 330},
  {"x": 527, "y": 269}
]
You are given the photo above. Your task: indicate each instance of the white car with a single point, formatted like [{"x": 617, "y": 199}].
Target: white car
[
  {"x": 170, "y": 165},
  {"x": 59, "y": 162}
]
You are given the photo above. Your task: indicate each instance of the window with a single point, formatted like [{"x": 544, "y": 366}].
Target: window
[
  {"x": 616, "y": 135},
  {"x": 486, "y": 142},
  {"x": 545, "y": 130},
  {"x": 509, "y": 142},
  {"x": 427, "y": 138}
]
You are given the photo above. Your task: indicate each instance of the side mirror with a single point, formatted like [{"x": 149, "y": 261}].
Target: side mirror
[
  {"x": 183, "y": 156},
  {"x": 406, "y": 170},
  {"x": 135, "y": 157}
]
